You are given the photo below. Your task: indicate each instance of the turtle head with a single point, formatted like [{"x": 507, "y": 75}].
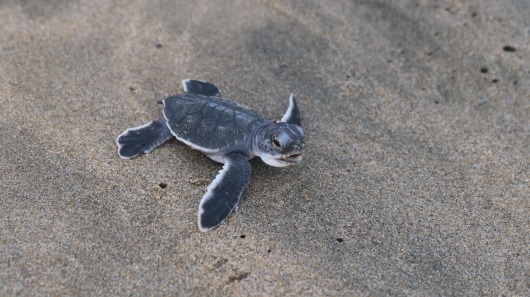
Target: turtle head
[{"x": 280, "y": 144}]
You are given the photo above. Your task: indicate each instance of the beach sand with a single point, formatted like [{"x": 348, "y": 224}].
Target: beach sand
[{"x": 416, "y": 172}]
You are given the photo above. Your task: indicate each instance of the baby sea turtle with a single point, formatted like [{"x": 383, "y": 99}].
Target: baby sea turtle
[{"x": 224, "y": 131}]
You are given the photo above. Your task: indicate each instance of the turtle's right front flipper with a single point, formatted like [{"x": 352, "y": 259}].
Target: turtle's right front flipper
[
  {"x": 224, "y": 192},
  {"x": 142, "y": 139}
]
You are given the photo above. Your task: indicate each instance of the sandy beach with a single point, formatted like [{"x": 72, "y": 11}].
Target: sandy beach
[{"x": 416, "y": 172}]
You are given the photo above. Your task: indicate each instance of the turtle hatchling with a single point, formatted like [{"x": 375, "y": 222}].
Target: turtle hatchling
[{"x": 224, "y": 131}]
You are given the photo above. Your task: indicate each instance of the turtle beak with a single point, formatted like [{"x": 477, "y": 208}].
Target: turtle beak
[{"x": 295, "y": 156}]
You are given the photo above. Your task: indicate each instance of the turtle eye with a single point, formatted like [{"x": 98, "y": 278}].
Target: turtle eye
[{"x": 275, "y": 142}]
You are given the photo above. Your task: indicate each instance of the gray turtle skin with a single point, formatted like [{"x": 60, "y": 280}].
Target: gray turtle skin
[{"x": 224, "y": 131}]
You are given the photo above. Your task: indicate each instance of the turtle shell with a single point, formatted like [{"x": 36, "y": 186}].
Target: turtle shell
[{"x": 209, "y": 123}]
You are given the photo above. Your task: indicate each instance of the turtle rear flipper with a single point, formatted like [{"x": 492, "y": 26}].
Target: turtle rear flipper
[
  {"x": 224, "y": 192},
  {"x": 142, "y": 139},
  {"x": 199, "y": 87}
]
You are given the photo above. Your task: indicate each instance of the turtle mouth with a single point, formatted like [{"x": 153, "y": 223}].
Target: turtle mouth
[{"x": 293, "y": 158}]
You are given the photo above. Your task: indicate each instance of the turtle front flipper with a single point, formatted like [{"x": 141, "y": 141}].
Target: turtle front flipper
[
  {"x": 224, "y": 192},
  {"x": 199, "y": 87},
  {"x": 292, "y": 116},
  {"x": 142, "y": 139}
]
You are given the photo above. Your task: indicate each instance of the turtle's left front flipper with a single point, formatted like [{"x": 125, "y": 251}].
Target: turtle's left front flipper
[
  {"x": 224, "y": 192},
  {"x": 292, "y": 115}
]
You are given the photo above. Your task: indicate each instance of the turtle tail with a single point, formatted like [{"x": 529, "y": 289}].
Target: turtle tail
[{"x": 142, "y": 139}]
